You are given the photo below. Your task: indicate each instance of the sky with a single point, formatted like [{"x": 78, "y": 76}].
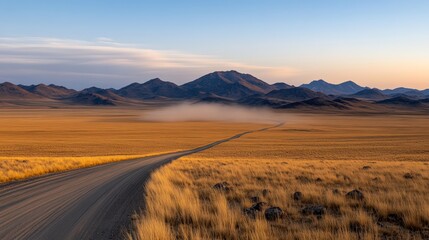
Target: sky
[{"x": 111, "y": 43}]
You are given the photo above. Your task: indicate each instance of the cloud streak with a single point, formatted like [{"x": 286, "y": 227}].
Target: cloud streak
[{"x": 106, "y": 63}]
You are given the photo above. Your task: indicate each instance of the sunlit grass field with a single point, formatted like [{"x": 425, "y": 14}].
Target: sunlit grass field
[
  {"x": 35, "y": 142},
  {"x": 386, "y": 158}
]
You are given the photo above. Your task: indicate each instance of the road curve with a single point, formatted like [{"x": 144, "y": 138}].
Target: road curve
[{"x": 88, "y": 203}]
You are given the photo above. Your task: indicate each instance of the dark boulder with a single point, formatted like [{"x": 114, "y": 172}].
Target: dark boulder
[
  {"x": 355, "y": 194},
  {"x": 273, "y": 213},
  {"x": 297, "y": 196},
  {"x": 317, "y": 210},
  {"x": 222, "y": 186}
]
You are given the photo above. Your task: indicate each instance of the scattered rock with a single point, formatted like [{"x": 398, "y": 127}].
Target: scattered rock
[
  {"x": 395, "y": 219},
  {"x": 317, "y": 210},
  {"x": 376, "y": 179},
  {"x": 336, "y": 192},
  {"x": 355, "y": 194},
  {"x": 303, "y": 179},
  {"x": 257, "y": 207},
  {"x": 255, "y": 199},
  {"x": 250, "y": 212},
  {"x": 273, "y": 213},
  {"x": 297, "y": 196},
  {"x": 260, "y": 206},
  {"x": 266, "y": 192},
  {"x": 319, "y": 180},
  {"x": 408, "y": 176},
  {"x": 366, "y": 167},
  {"x": 347, "y": 178},
  {"x": 222, "y": 186},
  {"x": 356, "y": 226}
]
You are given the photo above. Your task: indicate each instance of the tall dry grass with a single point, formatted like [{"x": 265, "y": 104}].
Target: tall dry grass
[{"x": 329, "y": 156}]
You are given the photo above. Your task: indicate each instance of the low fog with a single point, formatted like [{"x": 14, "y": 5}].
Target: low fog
[{"x": 211, "y": 112}]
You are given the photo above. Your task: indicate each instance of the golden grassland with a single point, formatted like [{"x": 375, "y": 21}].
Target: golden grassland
[
  {"x": 35, "y": 142},
  {"x": 324, "y": 158}
]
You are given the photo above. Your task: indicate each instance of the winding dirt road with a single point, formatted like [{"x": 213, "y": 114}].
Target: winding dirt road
[{"x": 88, "y": 203}]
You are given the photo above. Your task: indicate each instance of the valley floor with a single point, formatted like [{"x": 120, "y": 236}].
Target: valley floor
[
  {"x": 224, "y": 192},
  {"x": 39, "y": 141}
]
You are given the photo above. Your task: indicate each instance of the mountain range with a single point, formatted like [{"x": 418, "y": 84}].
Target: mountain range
[{"x": 228, "y": 87}]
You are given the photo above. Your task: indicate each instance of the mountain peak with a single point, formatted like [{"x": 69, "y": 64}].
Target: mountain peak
[
  {"x": 156, "y": 81},
  {"x": 319, "y": 81},
  {"x": 345, "y": 88},
  {"x": 229, "y": 84}
]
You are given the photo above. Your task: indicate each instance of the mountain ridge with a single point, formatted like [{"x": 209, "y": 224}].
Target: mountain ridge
[{"x": 227, "y": 87}]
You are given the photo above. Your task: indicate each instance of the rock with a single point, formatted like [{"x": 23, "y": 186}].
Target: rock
[
  {"x": 317, "y": 210},
  {"x": 260, "y": 206},
  {"x": 336, "y": 192},
  {"x": 250, "y": 212},
  {"x": 355, "y": 226},
  {"x": 257, "y": 207},
  {"x": 366, "y": 167},
  {"x": 355, "y": 194},
  {"x": 347, "y": 178},
  {"x": 222, "y": 186},
  {"x": 395, "y": 219},
  {"x": 255, "y": 199},
  {"x": 297, "y": 196},
  {"x": 273, "y": 213},
  {"x": 266, "y": 192},
  {"x": 303, "y": 179},
  {"x": 408, "y": 176},
  {"x": 319, "y": 180}
]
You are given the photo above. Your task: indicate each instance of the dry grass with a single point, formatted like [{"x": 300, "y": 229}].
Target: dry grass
[
  {"x": 182, "y": 204},
  {"x": 35, "y": 142}
]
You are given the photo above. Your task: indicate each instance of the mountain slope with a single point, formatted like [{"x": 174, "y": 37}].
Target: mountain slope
[
  {"x": 316, "y": 103},
  {"x": 107, "y": 93},
  {"x": 49, "y": 91},
  {"x": 401, "y": 101},
  {"x": 90, "y": 99},
  {"x": 11, "y": 91},
  {"x": 294, "y": 94},
  {"x": 229, "y": 84},
  {"x": 152, "y": 89},
  {"x": 344, "y": 88},
  {"x": 280, "y": 85},
  {"x": 370, "y": 93}
]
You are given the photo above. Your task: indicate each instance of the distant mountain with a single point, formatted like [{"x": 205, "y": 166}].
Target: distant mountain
[
  {"x": 49, "y": 91},
  {"x": 277, "y": 98},
  {"x": 229, "y": 84},
  {"x": 370, "y": 94},
  {"x": 107, "y": 93},
  {"x": 11, "y": 91},
  {"x": 294, "y": 94},
  {"x": 280, "y": 85},
  {"x": 226, "y": 87},
  {"x": 401, "y": 101},
  {"x": 410, "y": 92},
  {"x": 345, "y": 88},
  {"x": 257, "y": 100},
  {"x": 317, "y": 102},
  {"x": 152, "y": 89},
  {"x": 90, "y": 99},
  {"x": 397, "y": 90}
]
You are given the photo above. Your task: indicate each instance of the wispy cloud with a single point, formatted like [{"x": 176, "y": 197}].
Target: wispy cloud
[{"x": 107, "y": 63}]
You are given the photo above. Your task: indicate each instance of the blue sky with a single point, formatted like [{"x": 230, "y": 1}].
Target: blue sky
[{"x": 377, "y": 43}]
